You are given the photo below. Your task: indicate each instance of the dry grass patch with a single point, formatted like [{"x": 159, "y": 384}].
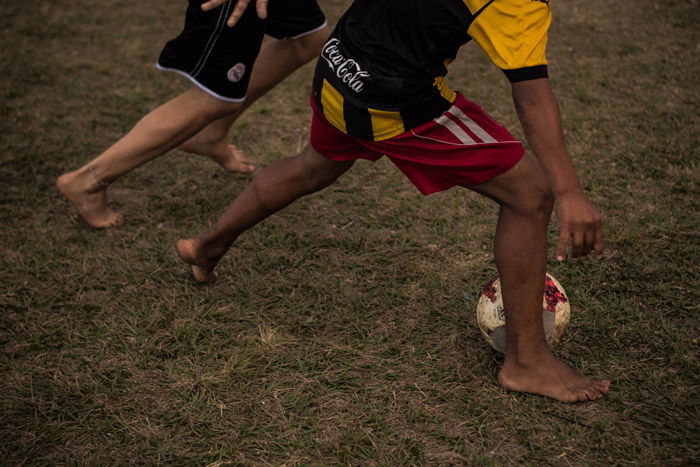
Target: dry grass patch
[{"x": 341, "y": 331}]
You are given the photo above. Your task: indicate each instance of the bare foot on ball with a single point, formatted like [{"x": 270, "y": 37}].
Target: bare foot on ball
[
  {"x": 551, "y": 377},
  {"x": 89, "y": 198},
  {"x": 228, "y": 156},
  {"x": 189, "y": 251}
]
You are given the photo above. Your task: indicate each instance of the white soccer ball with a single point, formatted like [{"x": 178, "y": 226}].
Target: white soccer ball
[{"x": 491, "y": 316}]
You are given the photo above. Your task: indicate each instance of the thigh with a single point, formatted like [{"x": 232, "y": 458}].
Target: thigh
[
  {"x": 331, "y": 143},
  {"x": 523, "y": 186},
  {"x": 318, "y": 165}
]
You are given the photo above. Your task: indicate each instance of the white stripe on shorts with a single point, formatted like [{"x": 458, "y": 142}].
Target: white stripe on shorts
[
  {"x": 455, "y": 129},
  {"x": 472, "y": 125}
]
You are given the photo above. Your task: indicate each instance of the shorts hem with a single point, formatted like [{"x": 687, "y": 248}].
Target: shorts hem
[
  {"x": 497, "y": 172},
  {"x": 429, "y": 190},
  {"x": 309, "y": 32},
  {"x": 200, "y": 85}
]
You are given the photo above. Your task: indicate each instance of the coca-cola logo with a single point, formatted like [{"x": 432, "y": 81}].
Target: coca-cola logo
[{"x": 346, "y": 69}]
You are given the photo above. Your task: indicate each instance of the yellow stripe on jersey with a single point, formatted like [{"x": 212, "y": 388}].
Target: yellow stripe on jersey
[
  {"x": 512, "y": 33},
  {"x": 385, "y": 124},
  {"x": 445, "y": 91},
  {"x": 332, "y": 102}
]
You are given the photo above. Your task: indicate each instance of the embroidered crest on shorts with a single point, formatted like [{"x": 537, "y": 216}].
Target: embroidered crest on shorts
[{"x": 236, "y": 72}]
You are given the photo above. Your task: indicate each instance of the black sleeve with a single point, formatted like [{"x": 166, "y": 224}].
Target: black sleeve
[{"x": 527, "y": 73}]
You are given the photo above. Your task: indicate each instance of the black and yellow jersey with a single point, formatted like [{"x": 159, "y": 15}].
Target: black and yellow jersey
[{"x": 382, "y": 71}]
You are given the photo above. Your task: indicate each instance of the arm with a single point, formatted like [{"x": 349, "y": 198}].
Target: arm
[
  {"x": 260, "y": 6},
  {"x": 538, "y": 112}
]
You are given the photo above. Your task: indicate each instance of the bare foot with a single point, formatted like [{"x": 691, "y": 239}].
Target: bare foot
[
  {"x": 91, "y": 203},
  {"x": 551, "y": 377},
  {"x": 202, "y": 269},
  {"x": 228, "y": 156}
]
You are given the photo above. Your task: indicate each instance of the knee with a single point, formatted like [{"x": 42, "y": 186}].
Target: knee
[
  {"x": 208, "y": 107},
  {"x": 527, "y": 189},
  {"x": 309, "y": 175},
  {"x": 219, "y": 109},
  {"x": 536, "y": 199},
  {"x": 315, "y": 172},
  {"x": 308, "y": 47}
]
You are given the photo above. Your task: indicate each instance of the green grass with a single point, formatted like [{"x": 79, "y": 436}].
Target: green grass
[{"x": 342, "y": 330}]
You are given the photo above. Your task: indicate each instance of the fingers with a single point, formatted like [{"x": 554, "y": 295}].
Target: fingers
[
  {"x": 581, "y": 225},
  {"x": 584, "y": 239},
  {"x": 211, "y": 4},
  {"x": 261, "y": 7},
  {"x": 589, "y": 238},
  {"x": 578, "y": 244},
  {"x": 238, "y": 9},
  {"x": 598, "y": 243},
  {"x": 563, "y": 243}
]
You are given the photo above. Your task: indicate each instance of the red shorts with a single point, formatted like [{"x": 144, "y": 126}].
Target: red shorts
[{"x": 464, "y": 146}]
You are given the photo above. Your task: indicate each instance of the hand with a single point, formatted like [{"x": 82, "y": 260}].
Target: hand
[
  {"x": 580, "y": 223},
  {"x": 241, "y": 5}
]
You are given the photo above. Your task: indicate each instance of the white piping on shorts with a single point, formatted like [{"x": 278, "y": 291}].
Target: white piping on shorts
[
  {"x": 450, "y": 143},
  {"x": 200, "y": 85},
  {"x": 325, "y": 23},
  {"x": 220, "y": 23}
]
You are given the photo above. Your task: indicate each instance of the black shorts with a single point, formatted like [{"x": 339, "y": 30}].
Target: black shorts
[{"x": 218, "y": 58}]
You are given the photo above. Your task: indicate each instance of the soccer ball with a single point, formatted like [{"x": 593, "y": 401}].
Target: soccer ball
[{"x": 490, "y": 314}]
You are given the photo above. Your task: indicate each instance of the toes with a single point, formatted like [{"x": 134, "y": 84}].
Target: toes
[
  {"x": 590, "y": 394},
  {"x": 113, "y": 220},
  {"x": 602, "y": 386},
  {"x": 117, "y": 220},
  {"x": 595, "y": 390},
  {"x": 244, "y": 168},
  {"x": 242, "y": 163}
]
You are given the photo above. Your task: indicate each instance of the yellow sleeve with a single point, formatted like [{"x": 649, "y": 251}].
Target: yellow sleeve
[{"x": 512, "y": 33}]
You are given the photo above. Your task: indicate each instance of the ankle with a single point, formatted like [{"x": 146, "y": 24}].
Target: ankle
[
  {"x": 212, "y": 251},
  {"x": 97, "y": 183},
  {"x": 79, "y": 181},
  {"x": 529, "y": 356},
  {"x": 203, "y": 146}
]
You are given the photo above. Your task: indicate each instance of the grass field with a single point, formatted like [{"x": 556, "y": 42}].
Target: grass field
[{"x": 341, "y": 331}]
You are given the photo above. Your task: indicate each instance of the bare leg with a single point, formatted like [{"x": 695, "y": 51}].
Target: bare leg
[
  {"x": 521, "y": 256},
  {"x": 194, "y": 118},
  {"x": 274, "y": 188},
  {"x": 161, "y": 130},
  {"x": 277, "y": 60}
]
